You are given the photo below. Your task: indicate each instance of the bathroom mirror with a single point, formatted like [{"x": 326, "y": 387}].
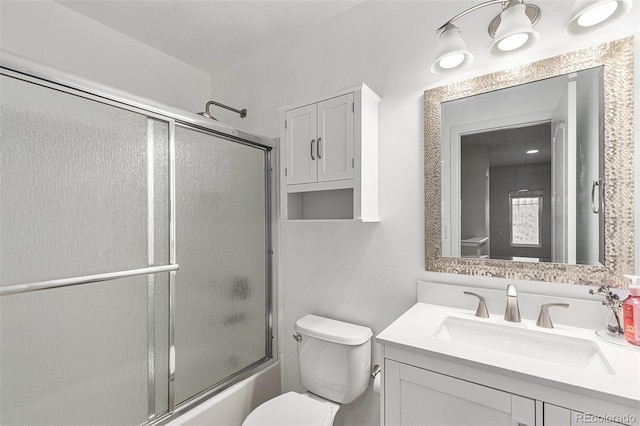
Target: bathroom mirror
[
  {"x": 529, "y": 172},
  {"x": 522, "y": 172}
]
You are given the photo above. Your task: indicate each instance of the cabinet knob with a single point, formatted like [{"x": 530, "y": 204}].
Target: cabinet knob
[
  {"x": 319, "y": 149},
  {"x": 312, "y": 142}
]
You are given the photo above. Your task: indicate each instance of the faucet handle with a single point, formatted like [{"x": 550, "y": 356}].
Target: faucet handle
[
  {"x": 482, "y": 310},
  {"x": 544, "y": 319}
]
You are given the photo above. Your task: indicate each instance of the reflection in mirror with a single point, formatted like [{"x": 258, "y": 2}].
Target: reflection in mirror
[
  {"x": 519, "y": 166},
  {"x": 495, "y": 207}
]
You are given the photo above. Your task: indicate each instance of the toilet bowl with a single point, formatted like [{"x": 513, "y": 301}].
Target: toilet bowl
[
  {"x": 293, "y": 409},
  {"x": 334, "y": 361}
]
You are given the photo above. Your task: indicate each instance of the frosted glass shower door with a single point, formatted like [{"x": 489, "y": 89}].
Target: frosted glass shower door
[
  {"x": 81, "y": 182},
  {"x": 84, "y": 190},
  {"x": 79, "y": 355},
  {"x": 221, "y": 246}
]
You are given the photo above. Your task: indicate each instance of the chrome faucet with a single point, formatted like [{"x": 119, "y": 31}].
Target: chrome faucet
[{"x": 512, "y": 313}]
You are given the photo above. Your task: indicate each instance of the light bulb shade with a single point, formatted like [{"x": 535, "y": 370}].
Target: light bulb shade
[
  {"x": 515, "y": 32},
  {"x": 452, "y": 52},
  {"x": 590, "y": 15}
]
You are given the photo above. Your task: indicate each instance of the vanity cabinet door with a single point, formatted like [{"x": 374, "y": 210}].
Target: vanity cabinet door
[
  {"x": 560, "y": 416},
  {"x": 413, "y": 396}
]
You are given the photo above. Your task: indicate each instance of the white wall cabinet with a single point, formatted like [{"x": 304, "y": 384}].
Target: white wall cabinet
[
  {"x": 329, "y": 157},
  {"x": 319, "y": 141}
]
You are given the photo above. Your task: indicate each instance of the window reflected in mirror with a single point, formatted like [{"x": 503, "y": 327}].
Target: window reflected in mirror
[{"x": 525, "y": 218}]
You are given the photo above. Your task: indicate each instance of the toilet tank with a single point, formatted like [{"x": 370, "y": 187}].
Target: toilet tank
[{"x": 334, "y": 358}]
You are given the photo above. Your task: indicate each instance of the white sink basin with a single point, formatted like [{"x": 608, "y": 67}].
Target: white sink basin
[{"x": 569, "y": 351}]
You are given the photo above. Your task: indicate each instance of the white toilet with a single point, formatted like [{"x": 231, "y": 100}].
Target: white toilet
[{"x": 334, "y": 360}]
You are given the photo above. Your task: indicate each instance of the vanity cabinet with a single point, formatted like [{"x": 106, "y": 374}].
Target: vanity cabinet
[
  {"x": 415, "y": 396},
  {"x": 423, "y": 390},
  {"x": 444, "y": 365},
  {"x": 329, "y": 157}
]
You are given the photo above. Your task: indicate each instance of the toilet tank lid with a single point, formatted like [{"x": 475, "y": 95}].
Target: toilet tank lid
[{"x": 332, "y": 330}]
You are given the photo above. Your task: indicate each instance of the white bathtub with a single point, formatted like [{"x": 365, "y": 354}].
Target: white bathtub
[{"x": 232, "y": 406}]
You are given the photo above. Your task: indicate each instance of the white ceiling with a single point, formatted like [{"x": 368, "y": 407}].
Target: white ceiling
[{"x": 210, "y": 34}]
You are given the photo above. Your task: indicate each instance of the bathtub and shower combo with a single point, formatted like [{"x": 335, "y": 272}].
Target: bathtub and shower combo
[{"x": 136, "y": 245}]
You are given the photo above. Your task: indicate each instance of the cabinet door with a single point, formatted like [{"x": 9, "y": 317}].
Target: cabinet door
[
  {"x": 413, "y": 396},
  {"x": 560, "y": 416},
  {"x": 301, "y": 147},
  {"x": 335, "y": 138}
]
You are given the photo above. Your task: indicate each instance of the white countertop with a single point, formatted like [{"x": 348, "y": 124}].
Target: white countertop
[{"x": 415, "y": 331}]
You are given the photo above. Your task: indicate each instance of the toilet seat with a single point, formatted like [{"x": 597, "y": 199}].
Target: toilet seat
[{"x": 291, "y": 409}]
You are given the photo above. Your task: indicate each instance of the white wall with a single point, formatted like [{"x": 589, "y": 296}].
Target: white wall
[
  {"x": 52, "y": 35},
  {"x": 366, "y": 273}
]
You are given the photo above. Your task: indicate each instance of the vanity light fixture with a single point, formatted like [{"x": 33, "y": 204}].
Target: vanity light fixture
[
  {"x": 589, "y": 15},
  {"x": 512, "y": 30},
  {"x": 532, "y": 151},
  {"x": 452, "y": 52}
]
